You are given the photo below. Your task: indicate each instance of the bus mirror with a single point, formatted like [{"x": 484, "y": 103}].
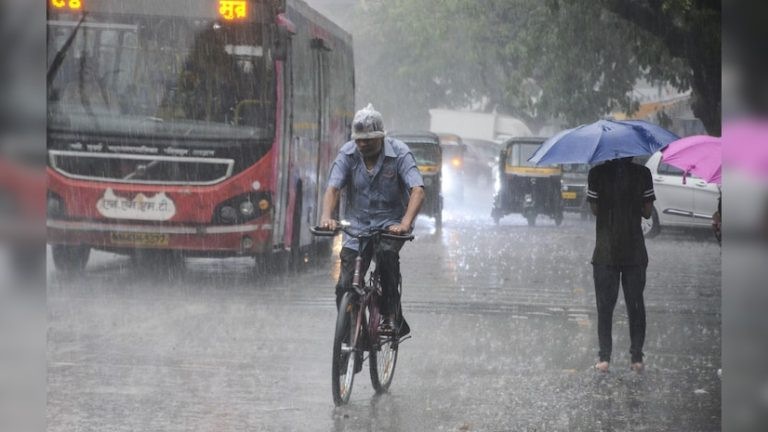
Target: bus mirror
[
  {"x": 285, "y": 31},
  {"x": 285, "y": 26}
]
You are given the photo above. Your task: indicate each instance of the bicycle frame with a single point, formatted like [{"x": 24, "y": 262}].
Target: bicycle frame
[
  {"x": 367, "y": 294},
  {"x": 361, "y": 311}
]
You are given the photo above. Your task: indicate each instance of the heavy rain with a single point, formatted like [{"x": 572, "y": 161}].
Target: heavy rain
[{"x": 537, "y": 184}]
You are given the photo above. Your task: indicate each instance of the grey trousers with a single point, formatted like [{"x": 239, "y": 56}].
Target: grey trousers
[{"x": 632, "y": 280}]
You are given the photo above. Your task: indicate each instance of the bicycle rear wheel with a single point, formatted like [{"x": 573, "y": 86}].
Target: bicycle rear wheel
[
  {"x": 344, "y": 344},
  {"x": 383, "y": 359}
]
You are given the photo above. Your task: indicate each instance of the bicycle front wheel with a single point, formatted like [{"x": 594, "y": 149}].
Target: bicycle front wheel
[
  {"x": 382, "y": 360},
  {"x": 344, "y": 345}
]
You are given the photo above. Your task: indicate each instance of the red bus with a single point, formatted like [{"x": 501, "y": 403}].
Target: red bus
[{"x": 204, "y": 127}]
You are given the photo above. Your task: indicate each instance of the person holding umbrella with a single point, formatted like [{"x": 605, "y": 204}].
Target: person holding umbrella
[{"x": 619, "y": 193}]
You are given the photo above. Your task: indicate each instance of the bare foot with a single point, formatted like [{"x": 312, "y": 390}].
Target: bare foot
[
  {"x": 602, "y": 366},
  {"x": 637, "y": 367}
]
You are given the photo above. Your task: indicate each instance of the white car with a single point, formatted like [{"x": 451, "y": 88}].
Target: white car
[{"x": 677, "y": 204}]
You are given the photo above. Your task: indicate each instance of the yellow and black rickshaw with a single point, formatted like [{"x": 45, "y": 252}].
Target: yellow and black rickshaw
[
  {"x": 525, "y": 188},
  {"x": 425, "y": 147}
]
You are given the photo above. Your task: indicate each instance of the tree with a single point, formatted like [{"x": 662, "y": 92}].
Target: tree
[
  {"x": 411, "y": 56},
  {"x": 575, "y": 60},
  {"x": 689, "y": 30}
]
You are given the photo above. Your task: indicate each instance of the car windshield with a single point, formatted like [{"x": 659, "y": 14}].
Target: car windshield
[
  {"x": 125, "y": 70},
  {"x": 425, "y": 154}
]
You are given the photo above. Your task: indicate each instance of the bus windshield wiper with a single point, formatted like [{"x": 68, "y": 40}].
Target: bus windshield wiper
[{"x": 59, "y": 58}]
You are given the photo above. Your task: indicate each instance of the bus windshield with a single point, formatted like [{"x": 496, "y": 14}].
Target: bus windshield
[{"x": 128, "y": 73}]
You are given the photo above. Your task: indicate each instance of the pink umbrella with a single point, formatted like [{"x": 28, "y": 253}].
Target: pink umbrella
[{"x": 698, "y": 154}]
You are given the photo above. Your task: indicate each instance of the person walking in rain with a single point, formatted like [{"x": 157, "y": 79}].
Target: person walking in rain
[
  {"x": 619, "y": 193},
  {"x": 384, "y": 189}
]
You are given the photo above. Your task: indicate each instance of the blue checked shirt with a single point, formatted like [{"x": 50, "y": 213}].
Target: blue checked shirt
[{"x": 379, "y": 198}]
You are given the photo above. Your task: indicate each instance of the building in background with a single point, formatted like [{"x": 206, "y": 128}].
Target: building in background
[{"x": 665, "y": 106}]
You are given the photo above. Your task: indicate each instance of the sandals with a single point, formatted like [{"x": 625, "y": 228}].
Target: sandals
[{"x": 602, "y": 366}]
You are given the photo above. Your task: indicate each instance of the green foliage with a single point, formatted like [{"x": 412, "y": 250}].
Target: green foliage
[{"x": 569, "y": 59}]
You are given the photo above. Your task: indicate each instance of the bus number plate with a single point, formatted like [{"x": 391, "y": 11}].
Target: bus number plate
[
  {"x": 139, "y": 239},
  {"x": 569, "y": 195}
]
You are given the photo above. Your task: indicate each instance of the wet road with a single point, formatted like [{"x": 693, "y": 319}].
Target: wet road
[{"x": 504, "y": 334}]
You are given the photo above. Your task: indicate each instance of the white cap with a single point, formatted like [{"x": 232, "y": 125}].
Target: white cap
[{"x": 367, "y": 124}]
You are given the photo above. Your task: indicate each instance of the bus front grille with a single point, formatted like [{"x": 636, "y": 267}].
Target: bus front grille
[{"x": 140, "y": 169}]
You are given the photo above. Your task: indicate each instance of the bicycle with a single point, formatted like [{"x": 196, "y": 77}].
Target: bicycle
[{"x": 359, "y": 324}]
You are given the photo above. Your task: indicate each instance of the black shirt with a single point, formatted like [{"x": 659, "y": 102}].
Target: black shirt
[{"x": 620, "y": 188}]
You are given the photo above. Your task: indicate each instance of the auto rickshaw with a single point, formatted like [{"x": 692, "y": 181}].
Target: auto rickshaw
[
  {"x": 425, "y": 147},
  {"x": 525, "y": 188}
]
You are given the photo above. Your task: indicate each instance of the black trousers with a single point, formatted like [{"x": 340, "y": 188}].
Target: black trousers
[
  {"x": 632, "y": 280},
  {"x": 388, "y": 265}
]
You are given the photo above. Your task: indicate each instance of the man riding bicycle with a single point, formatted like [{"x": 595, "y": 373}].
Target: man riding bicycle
[{"x": 384, "y": 189}]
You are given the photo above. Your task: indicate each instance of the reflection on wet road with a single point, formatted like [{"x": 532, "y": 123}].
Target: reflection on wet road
[{"x": 504, "y": 335}]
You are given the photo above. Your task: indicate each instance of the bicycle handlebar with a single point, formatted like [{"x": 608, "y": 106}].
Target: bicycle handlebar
[
  {"x": 371, "y": 232},
  {"x": 316, "y": 230}
]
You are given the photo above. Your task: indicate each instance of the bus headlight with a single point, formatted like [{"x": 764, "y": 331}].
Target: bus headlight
[
  {"x": 228, "y": 213},
  {"x": 242, "y": 208},
  {"x": 427, "y": 181},
  {"x": 247, "y": 208}
]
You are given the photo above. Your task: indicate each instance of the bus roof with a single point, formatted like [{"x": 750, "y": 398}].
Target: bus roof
[{"x": 319, "y": 19}]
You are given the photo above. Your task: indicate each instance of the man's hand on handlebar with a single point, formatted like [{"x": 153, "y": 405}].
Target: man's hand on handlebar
[
  {"x": 328, "y": 225},
  {"x": 399, "y": 229}
]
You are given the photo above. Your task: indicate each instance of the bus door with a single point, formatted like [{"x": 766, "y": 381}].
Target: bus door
[
  {"x": 281, "y": 200},
  {"x": 304, "y": 148},
  {"x": 326, "y": 148}
]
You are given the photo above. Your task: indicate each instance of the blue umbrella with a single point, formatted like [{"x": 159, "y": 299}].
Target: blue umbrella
[{"x": 603, "y": 140}]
